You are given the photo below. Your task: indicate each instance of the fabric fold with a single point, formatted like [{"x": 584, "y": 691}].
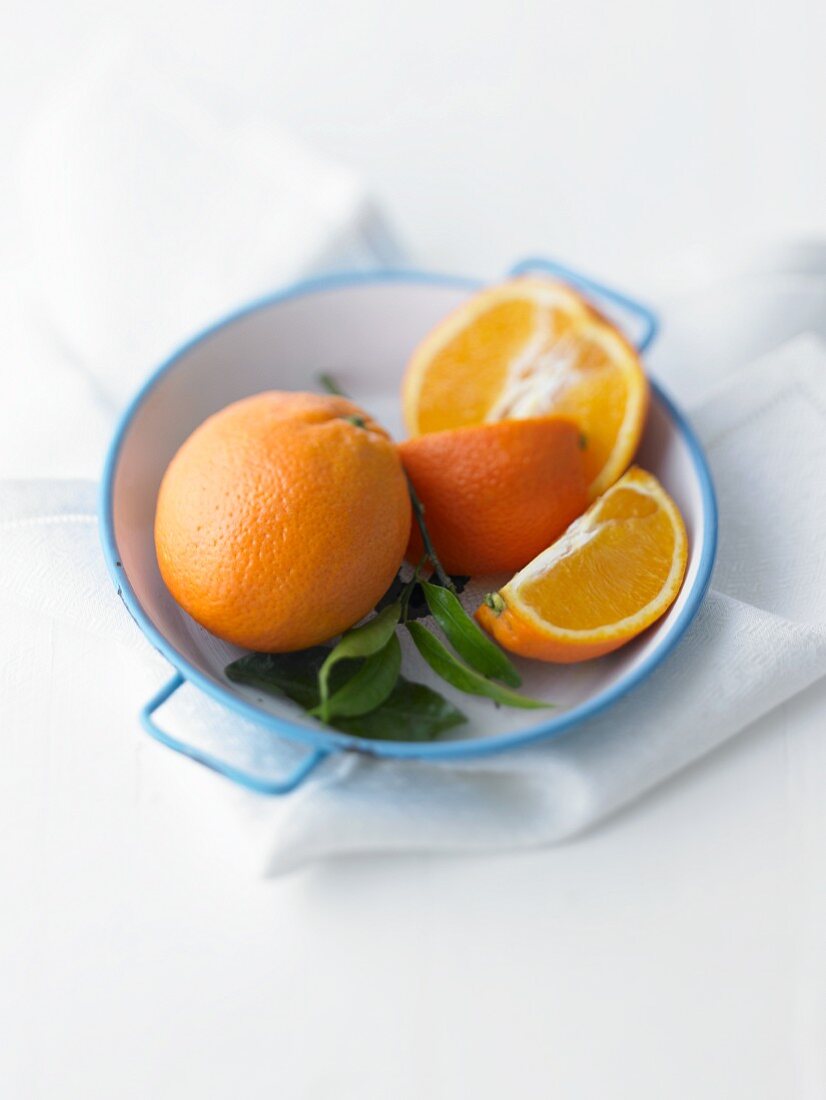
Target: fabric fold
[
  {"x": 758, "y": 639},
  {"x": 154, "y": 208}
]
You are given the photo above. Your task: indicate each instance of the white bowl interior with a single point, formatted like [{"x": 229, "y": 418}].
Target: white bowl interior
[{"x": 363, "y": 334}]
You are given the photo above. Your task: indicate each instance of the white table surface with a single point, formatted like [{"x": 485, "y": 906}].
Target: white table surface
[{"x": 678, "y": 951}]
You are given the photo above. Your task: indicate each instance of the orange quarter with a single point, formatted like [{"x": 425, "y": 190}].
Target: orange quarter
[{"x": 614, "y": 572}]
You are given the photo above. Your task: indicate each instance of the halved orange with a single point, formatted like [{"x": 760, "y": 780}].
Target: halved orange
[
  {"x": 532, "y": 347},
  {"x": 494, "y": 495},
  {"x": 616, "y": 570}
]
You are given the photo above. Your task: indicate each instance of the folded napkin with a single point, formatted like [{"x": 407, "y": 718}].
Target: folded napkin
[
  {"x": 154, "y": 206},
  {"x": 759, "y": 638}
]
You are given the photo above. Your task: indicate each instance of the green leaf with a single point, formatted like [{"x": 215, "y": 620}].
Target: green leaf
[
  {"x": 292, "y": 674},
  {"x": 411, "y": 712},
  {"x": 328, "y": 383},
  {"x": 369, "y": 687},
  {"x": 444, "y": 664},
  {"x": 361, "y": 641},
  {"x": 467, "y": 638}
]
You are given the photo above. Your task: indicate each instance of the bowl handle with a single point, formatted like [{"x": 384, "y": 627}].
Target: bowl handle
[
  {"x": 646, "y": 315},
  {"x": 244, "y": 779}
]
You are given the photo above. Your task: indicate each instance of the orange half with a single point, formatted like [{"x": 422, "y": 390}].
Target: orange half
[
  {"x": 494, "y": 495},
  {"x": 614, "y": 572},
  {"x": 529, "y": 348}
]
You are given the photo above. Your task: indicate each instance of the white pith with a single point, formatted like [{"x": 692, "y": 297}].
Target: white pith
[
  {"x": 538, "y": 374},
  {"x": 547, "y": 365}
]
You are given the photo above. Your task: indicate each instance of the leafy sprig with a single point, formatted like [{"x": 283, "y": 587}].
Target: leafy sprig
[{"x": 368, "y": 641}]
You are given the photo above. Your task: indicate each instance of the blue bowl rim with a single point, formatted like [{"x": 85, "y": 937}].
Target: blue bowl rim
[{"x": 333, "y": 741}]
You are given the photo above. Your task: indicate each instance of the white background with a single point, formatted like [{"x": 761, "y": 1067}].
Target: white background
[
  {"x": 621, "y": 135},
  {"x": 676, "y": 952}
]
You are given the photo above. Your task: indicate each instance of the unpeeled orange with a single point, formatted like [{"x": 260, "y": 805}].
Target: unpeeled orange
[
  {"x": 282, "y": 520},
  {"x": 532, "y": 347},
  {"x": 494, "y": 495},
  {"x": 616, "y": 570}
]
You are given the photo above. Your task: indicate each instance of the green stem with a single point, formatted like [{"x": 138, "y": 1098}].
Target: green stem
[
  {"x": 407, "y": 591},
  {"x": 328, "y": 383},
  {"x": 418, "y": 514}
]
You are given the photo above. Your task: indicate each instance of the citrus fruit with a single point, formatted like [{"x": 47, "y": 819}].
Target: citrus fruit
[
  {"x": 282, "y": 520},
  {"x": 494, "y": 495},
  {"x": 526, "y": 348},
  {"x": 615, "y": 571}
]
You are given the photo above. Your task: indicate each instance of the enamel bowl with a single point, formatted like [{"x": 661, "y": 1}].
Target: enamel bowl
[{"x": 361, "y": 329}]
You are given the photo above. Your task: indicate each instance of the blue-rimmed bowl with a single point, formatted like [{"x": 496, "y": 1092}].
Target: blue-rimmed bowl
[{"x": 362, "y": 328}]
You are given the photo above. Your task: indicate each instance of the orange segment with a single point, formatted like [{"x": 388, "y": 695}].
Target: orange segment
[
  {"x": 495, "y": 495},
  {"x": 615, "y": 571},
  {"x": 468, "y": 372},
  {"x": 532, "y": 347}
]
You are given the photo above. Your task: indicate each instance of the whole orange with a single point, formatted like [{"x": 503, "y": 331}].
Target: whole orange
[
  {"x": 495, "y": 495},
  {"x": 282, "y": 520}
]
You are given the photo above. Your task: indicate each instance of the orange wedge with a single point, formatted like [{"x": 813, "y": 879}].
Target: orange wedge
[
  {"x": 615, "y": 571},
  {"x": 532, "y": 347}
]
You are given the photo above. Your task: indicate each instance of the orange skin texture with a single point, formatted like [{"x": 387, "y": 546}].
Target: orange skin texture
[
  {"x": 495, "y": 495},
  {"x": 519, "y": 636},
  {"x": 279, "y": 523}
]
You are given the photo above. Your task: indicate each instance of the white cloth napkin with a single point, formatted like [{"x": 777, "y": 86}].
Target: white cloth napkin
[
  {"x": 759, "y": 638},
  {"x": 152, "y": 211},
  {"x": 153, "y": 208}
]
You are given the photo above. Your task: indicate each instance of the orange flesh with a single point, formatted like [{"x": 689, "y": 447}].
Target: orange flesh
[
  {"x": 624, "y": 567},
  {"x": 468, "y": 373},
  {"x": 596, "y": 395}
]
